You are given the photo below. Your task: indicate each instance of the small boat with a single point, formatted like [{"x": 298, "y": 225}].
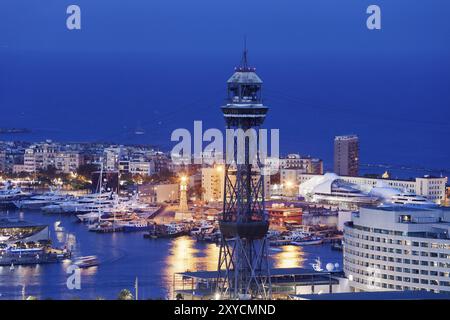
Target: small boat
[
  {"x": 135, "y": 225},
  {"x": 4, "y": 238},
  {"x": 278, "y": 243},
  {"x": 58, "y": 227},
  {"x": 89, "y": 217},
  {"x": 171, "y": 230},
  {"x": 308, "y": 241},
  {"x": 105, "y": 227},
  {"x": 87, "y": 262},
  {"x": 203, "y": 228},
  {"x": 12, "y": 267}
]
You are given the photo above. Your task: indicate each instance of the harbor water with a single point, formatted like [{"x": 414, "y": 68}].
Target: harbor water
[{"x": 123, "y": 258}]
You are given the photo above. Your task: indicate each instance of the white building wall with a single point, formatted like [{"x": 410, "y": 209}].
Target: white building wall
[
  {"x": 431, "y": 188},
  {"x": 213, "y": 183},
  {"x": 379, "y": 254}
]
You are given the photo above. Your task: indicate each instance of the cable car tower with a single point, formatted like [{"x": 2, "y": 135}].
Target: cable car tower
[{"x": 243, "y": 268}]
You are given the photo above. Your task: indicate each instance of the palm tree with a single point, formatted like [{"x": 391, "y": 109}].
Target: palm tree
[
  {"x": 179, "y": 297},
  {"x": 125, "y": 294}
]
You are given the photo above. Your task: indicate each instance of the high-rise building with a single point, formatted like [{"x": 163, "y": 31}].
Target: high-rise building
[
  {"x": 346, "y": 155},
  {"x": 398, "y": 248},
  {"x": 112, "y": 156},
  {"x": 213, "y": 183}
]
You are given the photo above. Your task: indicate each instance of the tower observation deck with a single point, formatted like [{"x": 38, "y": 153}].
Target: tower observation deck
[{"x": 243, "y": 266}]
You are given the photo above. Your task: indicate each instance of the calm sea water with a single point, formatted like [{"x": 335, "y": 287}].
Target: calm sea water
[
  {"x": 159, "y": 65},
  {"x": 123, "y": 257},
  {"x": 400, "y": 112}
]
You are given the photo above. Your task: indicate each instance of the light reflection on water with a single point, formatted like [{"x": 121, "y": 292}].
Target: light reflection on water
[
  {"x": 289, "y": 257},
  {"x": 185, "y": 254},
  {"x": 125, "y": 256}
]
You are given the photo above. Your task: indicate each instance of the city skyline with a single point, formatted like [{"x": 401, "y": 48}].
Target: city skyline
[
  {"x": 224, "y": 151},
  {"x": 332, "y": 85}
]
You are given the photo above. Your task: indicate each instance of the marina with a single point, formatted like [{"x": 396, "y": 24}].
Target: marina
[
  {"x": 245, "y": 154},
  {"x": 124, "y": 256}
]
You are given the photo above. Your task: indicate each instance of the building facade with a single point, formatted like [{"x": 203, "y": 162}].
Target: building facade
[
  {"x": 302, "y": 163},
  {"x": 137, "y": 166},
  {"x": 398, "y": 248},
  {"x": 292, "y": 168},
  {"x": 68, "y": 161},
  {"x": 112, "y": 156},
  {"x": 432, "y": 188},
  {"x": 213, "y": 183},
  {"x": 346, "y": 155},
  {"x": 41, "y": 156},
  {"x": 159, "y": 193}
]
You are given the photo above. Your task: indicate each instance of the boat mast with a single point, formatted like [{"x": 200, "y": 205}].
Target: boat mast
[{"x": 136, "y": 287}]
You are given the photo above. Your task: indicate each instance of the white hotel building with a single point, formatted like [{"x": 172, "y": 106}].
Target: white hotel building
[{"x": 398, "y": 248}]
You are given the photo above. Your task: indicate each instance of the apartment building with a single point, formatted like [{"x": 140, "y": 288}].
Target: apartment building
[
  {"x": 346, "y": 155},
  {"x": 44, "y": 155}
]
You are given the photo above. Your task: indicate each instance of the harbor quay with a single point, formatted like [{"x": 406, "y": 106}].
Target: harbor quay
[
  {"x": 138, "y": 226},
  {"x": 173, "y": 209},
  {"x": 121, "y": 257}
]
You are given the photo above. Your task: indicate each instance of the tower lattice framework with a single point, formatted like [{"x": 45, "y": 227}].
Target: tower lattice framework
[{"x": 243, "y": 266}]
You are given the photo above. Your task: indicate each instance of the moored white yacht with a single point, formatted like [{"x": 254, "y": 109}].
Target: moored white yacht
[
  {"x": 39, "y": 201},
  {"x": 10, "y": 194},
  {"x": 88, "y": 203},
  {"x": 412, "y": 200},
  {"x": 134, "y": 225},
  {"x": 392, "y": 196},
  {"x": 89, "y": 217},
  {"x": 204, "y": 227}
]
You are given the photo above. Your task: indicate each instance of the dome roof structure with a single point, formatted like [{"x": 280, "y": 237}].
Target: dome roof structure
[
  {"x": 245, "y": 77},
  {"x": 322, "y": 183}
]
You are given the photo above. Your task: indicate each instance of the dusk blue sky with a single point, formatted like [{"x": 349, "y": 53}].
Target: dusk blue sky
[{"x": 162, "y": 64}]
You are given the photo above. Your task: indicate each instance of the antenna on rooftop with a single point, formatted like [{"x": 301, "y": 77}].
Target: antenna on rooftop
[
  {"x": 244, "y": 55},
  {"x": 244, "y": 61}
]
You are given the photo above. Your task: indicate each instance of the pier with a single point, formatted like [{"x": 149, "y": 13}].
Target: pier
[{"x": 202, "y": 285}]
